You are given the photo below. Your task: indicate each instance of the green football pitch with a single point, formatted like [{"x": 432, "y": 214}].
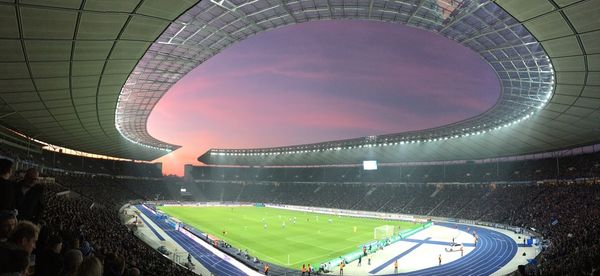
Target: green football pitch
[{"x": 312, "y": 239}]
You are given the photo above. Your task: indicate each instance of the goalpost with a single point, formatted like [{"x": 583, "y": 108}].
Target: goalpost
[{"x": 383, "y": 232}]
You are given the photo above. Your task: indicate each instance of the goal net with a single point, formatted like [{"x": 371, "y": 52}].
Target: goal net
[{"x": 383, "y": 232}]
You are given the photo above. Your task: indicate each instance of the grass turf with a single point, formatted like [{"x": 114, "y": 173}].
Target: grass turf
[{"x": 311, "y": 240}]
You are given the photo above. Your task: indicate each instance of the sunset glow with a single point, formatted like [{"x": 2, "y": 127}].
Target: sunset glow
[{"x": 321, "y": 81}]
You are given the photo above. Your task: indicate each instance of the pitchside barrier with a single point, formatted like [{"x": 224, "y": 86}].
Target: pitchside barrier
[
  {"x": 173, "y": 222},
  {"x": 350, "y": 213}
]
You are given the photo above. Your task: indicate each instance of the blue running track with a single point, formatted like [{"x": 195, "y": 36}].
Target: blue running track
[
  {"x": 209, "y": 260},
  {"x": 158, "y": 235},
  {"x": 493, "y": 251}
]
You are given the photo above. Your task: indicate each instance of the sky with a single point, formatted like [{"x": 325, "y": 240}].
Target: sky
[{"x": 321, "y": 81}]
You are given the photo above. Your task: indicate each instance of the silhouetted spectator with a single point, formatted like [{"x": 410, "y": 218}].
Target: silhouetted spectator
[
  {"x": 114, "y": 265},
  {"x": 29, "y": 197},
  {"x": 49, "y": 262},
  {"x": 91, "y": 266},
  {"x": 72, "y": 261},
  {"x": 15, "y": 252},
  {"x": 86, "y": 248},
  {"x": 133, "y": 272},
  {"x": 7, "y": 187},
  {"x": 8, "y": 222},
  {"x": 13, "y": 261},
  {"x": 24, "y": 235}
]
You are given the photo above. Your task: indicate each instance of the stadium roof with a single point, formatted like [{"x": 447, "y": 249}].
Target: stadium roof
[{"x": 86, "y": 74}]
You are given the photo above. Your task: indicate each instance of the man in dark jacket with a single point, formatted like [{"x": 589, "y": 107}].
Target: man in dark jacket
[
  {"x": 8, "y": 222},
  {"x": 28, "y": 197},
  {"x": 49, "y": 262},
  {"x": 7, "y": 187}
]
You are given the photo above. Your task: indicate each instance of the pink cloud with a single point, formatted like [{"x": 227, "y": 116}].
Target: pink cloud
[{"x": 312, "y": 83}]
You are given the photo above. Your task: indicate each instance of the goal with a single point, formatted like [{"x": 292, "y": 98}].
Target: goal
[{"x": 383, "y": 232}]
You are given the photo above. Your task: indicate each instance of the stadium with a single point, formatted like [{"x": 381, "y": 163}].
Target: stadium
[{"x": 514, "y": 190}]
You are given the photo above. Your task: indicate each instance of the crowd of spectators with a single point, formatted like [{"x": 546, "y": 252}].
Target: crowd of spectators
[
  {"x": 60, "y": 162},
  {"x": 566, "y": 167},
  {"x": 115, "y": 191},
  {"x": 48, "y": 229},
  {"x": 97, "y": 230},
  {"x": 567, "y": 215}
]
